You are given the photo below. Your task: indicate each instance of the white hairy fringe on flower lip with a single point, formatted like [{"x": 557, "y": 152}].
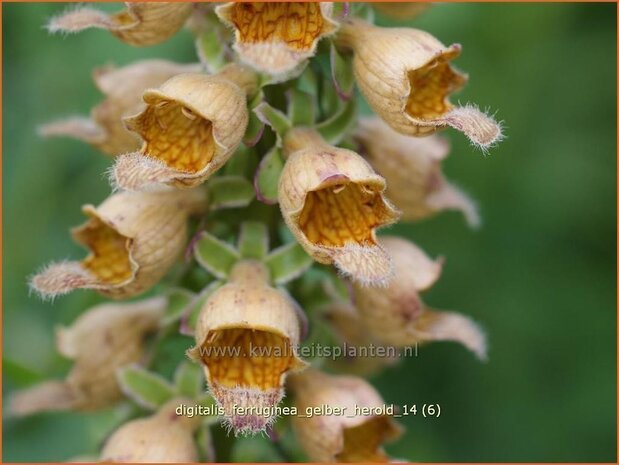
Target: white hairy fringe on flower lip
[
  {"x": 191, "y": 126},
  {"x": 396, "y": 315},
  {"x": 140, "y": 24},
  {"x": 101, "y": 340},
  {"x": 406, "y": 78},
  {"x": 412, "y": 168},
  {"x": 277, "y": 38},
  {"x": 332, "y": 201},
  {"x": 163, "y": 437},
  {"x": 350, "y": 437},
  {"x": 133, "y": 239},
  {"x": 122, "y": 88},
  {"x": 344, "y": 320},
  {"x": 245, "y": 314}
]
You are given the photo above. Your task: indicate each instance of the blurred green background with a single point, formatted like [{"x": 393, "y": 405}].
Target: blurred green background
[{"x": 540, "y": 274}]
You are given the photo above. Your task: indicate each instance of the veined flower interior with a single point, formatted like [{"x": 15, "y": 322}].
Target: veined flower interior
[
  {"x": 246, "y": 357},
  {"x": 431, "y": 86},
  {"x": 109, "y": 257},
  {"x": 298, "y": 24},
  {"x": 363, "y": 443},
  {"x": 343, "y": 212},
  {"x": 177, "y": 136}
]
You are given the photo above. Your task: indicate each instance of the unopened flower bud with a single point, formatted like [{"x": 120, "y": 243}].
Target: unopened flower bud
[
  {"x": 247, "y": 337},
  {"x": 412, "y": 168},
  {"x": 406, "y": 78},
  {"x": 352, "y": 436},
  {"x": 277, "y": 37},
  {"x": 164, "y": 437},
  {"x": 123, "y": 88},
  {"x": 133, "y": 238},
  {"x": 102, "y": 340},
  {"x": 332, "y": 201},
  {"x": 139, "y": 24},
  {"x": 396, "y": 315},
  {"x": 191, "y": 126}
]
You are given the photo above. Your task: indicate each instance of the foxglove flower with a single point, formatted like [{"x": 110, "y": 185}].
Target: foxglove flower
[
  {"x": 133, "y": 240},
  {"x": 191, "y": 126},
  {"x": 396, "y": 315},
  {"x": 102, "y": 340},
  {"x": 333, "y": 201},
  {"x": 246, "y": 339},
  {"x": 351, "y": 437},
  {"x": 412, "y": 168},
  {"x": 277, "y": 37},
  {"x": 406, "y": 77},
  {"x": 123, "y": 88},
  {"x": 139, "y": 24}
]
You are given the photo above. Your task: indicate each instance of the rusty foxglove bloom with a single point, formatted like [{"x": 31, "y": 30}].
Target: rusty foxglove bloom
[
  {"x": 412, "y": 168},
  {"x": 102, "y": 340},
  {"x": 351, "y": 437},
  {"x": 344, "y": 319},
  {"x": 277, "y": 37},
  {"x": 139, "y": 24},
  {"x": 406, "y": 77},
  {"x": 164, "y": 437},
  {"x": 191, "y": 126},
  {"x": 400, "y": 11},
  {"x": 396, "y": 315},
  {"x": 123, "y": 88},
  {"x": 133, "y": 239},
  {"x": 332, "y": 201},
  {"x": 246, "y": 339}
]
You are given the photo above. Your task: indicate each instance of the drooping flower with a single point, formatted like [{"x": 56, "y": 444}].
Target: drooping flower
[
  {"x": 412, "y": 168},
  {"x": 406, "y": 77},
  {"x": 139, "y": 24},
  {"x": 333, "y": 202},
  {"x": 351, "y": 437},
  {"x": 133, "y": 239},
  {"x": 246, "y": 339},
  {"x": 123, "y": 88},
  {"x": 191, "y": 126},
  {"x": 102, "y": 340},
  {"x": 163, "y": 437},
  {"x": 396, "y": 314},
  {"x": 277, "y": 37}
]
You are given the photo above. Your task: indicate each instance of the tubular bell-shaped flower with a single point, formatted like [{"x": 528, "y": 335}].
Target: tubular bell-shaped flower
[
  {"x": 191, "y": 126},
  {"x": 123, "y": 88},
  {"x": 412, "y": 168},
  {"x": 351, "y": 437},
  {"x": 406, "y": 78},
  {"x": 332, "y": 201},
  {"x": 139, "y": 24},
  {"x": 164, "y": 437},
  {"x": 396, "y": 315},
  {"x": 133, "y": 239},
  {"x": 277, "y": 37},
  {"x": 102, "y": 340},
  {"x": 246, "y": 339}
]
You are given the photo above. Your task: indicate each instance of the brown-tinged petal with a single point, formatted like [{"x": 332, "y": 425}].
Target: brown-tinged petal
[
  {"x": 164, "y": 437},
  {"x": 123, "y": 88},
  {"x": 246, "y": 339},
  {"x": 412, "y": 168},
  {"x": 333, "y": 202},
  {"x": 139, "y": 24},
  {"x": 397, "y": 316},
  {"x": 277, "y": 37},
  {"x": 350, "y": 437},
  {"x": 102, "y": 340},
  {"x": 191, "y": 126},
  {"x": 133, "y": 239},
  {"x": 406, "y": 77}
]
